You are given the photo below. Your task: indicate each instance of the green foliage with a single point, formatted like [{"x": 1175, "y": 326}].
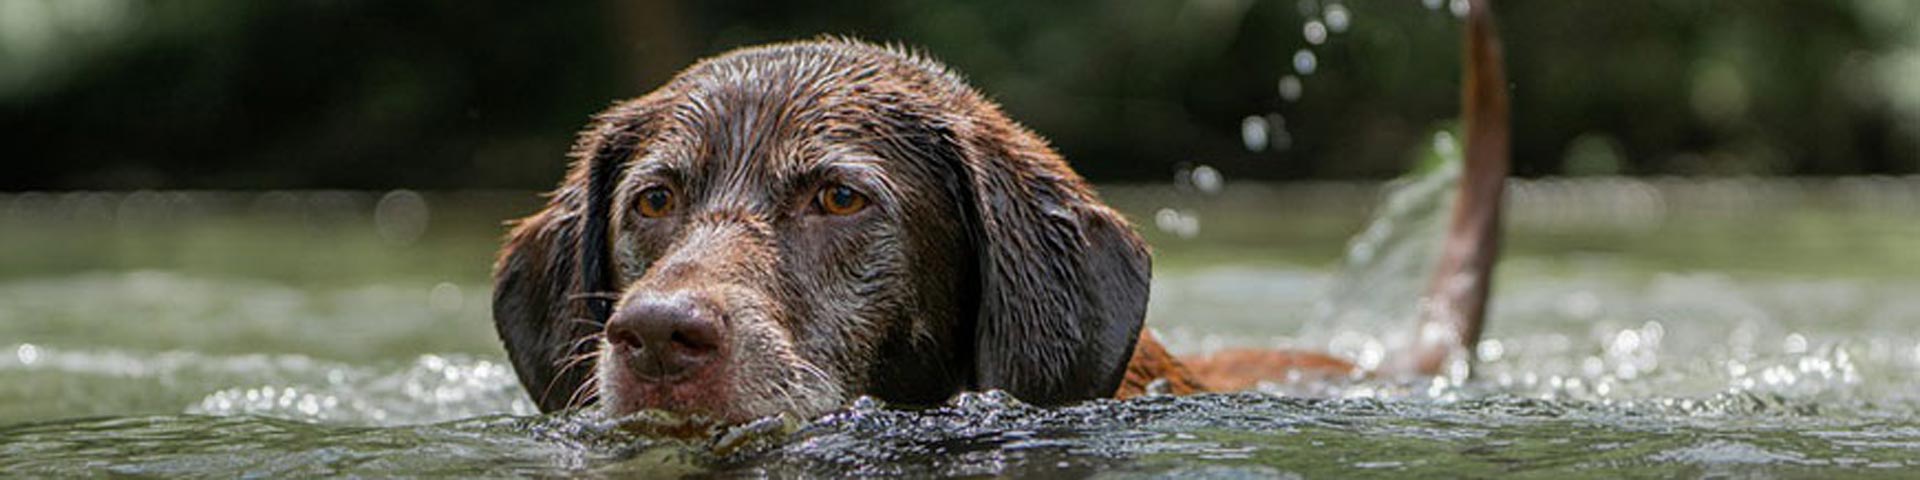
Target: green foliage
[{"x": 376, "y": 94}]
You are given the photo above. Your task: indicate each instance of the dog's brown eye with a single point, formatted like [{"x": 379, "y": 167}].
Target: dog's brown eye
[
  {"x": 656, "y": 202},
  {"x": 840, "y": 200}
]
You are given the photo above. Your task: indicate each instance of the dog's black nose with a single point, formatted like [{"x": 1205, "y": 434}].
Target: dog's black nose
[{"x": 666, "y": 336}]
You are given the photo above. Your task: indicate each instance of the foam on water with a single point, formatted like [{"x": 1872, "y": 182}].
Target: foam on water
[
  {"x": 1599, "y": 362},
  {"x": 1592, "y": 364},
  {"x": 991, "y": 434},
  {"x": 433, "y": 388},
  {"x": 1604, "y": 362}
]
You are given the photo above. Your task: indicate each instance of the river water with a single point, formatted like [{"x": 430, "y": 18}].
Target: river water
[{"x": 1640, "y": 328}]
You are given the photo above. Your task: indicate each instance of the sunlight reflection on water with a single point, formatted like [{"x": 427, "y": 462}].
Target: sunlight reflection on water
[{"x": 1609, "y": 359}]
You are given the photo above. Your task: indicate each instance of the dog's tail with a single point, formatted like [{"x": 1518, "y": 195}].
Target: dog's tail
[{"x": 1454, "y": 306}]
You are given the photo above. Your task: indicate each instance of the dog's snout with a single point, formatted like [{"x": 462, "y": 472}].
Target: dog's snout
[{"x": 666, "y": 337}]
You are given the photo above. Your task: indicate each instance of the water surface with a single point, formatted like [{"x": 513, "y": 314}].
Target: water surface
[{"x": 1650, "y": 328}]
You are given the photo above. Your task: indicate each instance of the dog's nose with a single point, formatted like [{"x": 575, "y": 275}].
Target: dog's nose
[{"x": 666, "y": 336}]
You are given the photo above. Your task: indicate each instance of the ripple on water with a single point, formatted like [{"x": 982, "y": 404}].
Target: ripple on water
[
  {"x": 1594, "y": 365},
  {"x": 433, "y": 388},
  {"x": 1487, "y": 432}
]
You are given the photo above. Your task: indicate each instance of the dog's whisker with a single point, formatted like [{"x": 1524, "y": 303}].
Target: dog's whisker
[
  {"x": 566, "y": 365},
  {"x": 546, "y": 392},
  {"x": 594, "y": 296},
  {"x": 584, "y": 394},
  {"x": 588, "y": 322},
  {"x": 582, "y": 342},
  {"x": 584, "y": 346},
  {"x": 591, "y": 390},
  {"x": 577, "y": 360},
  {"x": 571, "y": 361}
]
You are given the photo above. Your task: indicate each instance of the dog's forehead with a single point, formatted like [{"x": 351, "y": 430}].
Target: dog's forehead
[
  {"x": 772, "y": 113},
  {"x": 759, "y": 120}
]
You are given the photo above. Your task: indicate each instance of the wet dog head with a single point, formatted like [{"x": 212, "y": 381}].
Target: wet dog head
[{"x": 783, "y": 228}]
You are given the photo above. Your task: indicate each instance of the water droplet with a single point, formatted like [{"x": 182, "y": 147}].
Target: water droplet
[
  {"x": 401, "y": 216},
  {"x": 1431, "y": 4},
  {"x": 1182, "y": 224},
  {"x": 1338, "y": 18},
  {"x": 1290, "y": 88},
  {"x": 1795, "y": 344},
  {"x": 1443, "y": 144},
  {"x": 1625, "y": 343},
  {"x": 1159, "y": 387},
  {"x": 1315, "y": 32},
  {"x": 1166, "y": 218},
  {"x": 1253, "y": 133},
  {"x": 1207, "y": 179},
  {"x": 1304, "y": 62},
  {"x": 1459, "y": 8},
  {"x": 1277, "y": 138},
  {"x": 309, "y": 405},
  {"x": 1491, "y": 350},
  {"x": 27, "y": 353}
]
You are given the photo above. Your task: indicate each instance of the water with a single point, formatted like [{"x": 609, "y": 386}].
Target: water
[{"x": 1643, "y": 328}]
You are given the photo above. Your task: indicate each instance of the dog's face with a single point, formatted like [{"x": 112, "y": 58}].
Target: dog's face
[
  {"x": 774, "y": 252},
  {"x": 784, "y": 228}
]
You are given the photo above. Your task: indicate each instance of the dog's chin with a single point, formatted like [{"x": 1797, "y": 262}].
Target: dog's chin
[
  {"x": 715, "y": 396},
  {"x": 706, "y": 398}
]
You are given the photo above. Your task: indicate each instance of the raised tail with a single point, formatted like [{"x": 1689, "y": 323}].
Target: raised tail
[
  {"x": 1454, "y": 307},
  {"x": 1455, "y": 303}
]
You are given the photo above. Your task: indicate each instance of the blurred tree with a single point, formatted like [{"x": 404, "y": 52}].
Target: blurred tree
[{"x": 484, "y": 94}]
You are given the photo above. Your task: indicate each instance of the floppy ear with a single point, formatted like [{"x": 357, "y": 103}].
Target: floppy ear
[
  {"x": 1063, "y": 277},
  {"x": 552, "y": 284}
]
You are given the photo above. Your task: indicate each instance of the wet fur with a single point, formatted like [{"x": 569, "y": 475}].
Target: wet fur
[{"x": 986, "y": 262}]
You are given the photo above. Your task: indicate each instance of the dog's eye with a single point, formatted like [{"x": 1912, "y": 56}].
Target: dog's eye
[
  {"x": 841, "y": 200},
  {"x": 656, "y": 202}
]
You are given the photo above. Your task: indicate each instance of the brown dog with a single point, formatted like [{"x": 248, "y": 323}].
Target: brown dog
[{"x": 784, "y": 228}]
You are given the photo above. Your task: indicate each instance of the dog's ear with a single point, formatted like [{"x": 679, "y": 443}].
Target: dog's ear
[
  {"x": 552, "y": 284},
  {"x": 1064, "y": 278}
]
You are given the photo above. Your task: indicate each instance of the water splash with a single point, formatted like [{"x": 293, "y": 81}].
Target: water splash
[
  {"x": 1612, "y": 364},
  {"x": 1202, "y": 180},
  {"x": 1290, "y": 88},
  {"x": 1182, "y": 223},
  {"x": 1304, "y": 62},
  {"x": 1338, "y": 18},
  {"x": 433, "y": 389},
  {"x": 1314, "y": 32},
  {"x": 1253, "y": 133},
  {"x": 295, "y": 387},
  {"x": 1368, "y": 307}
]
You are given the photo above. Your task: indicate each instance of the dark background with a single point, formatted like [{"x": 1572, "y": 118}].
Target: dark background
[{"x": 248, "y": 94}]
